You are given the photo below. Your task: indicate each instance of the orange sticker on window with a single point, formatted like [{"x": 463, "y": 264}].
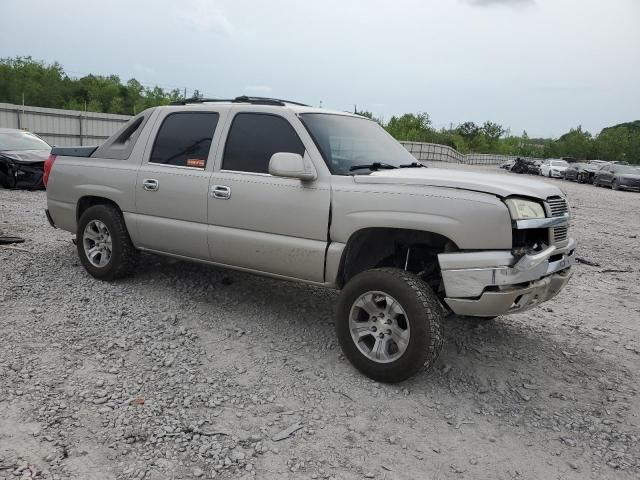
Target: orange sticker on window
[{"x": 195, "y": 162}]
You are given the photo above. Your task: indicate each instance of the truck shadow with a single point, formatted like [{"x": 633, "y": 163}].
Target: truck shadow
[{"x": 517, "y": 357}]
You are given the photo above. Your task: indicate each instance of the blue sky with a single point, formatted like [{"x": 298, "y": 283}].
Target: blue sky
[{"x": 539, "y": 65}]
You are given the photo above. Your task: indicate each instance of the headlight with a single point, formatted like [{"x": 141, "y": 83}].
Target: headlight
[{"x": 522, "y": 209}]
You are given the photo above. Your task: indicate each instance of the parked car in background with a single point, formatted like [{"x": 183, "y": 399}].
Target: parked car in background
[
  {"x": 534, "y": 167},
  {"x": 569, "y": 159},
  {"x": 520, "y": 166},
  {"x": 553, "y": 168},
  {"x": 598, "y": 163},
  {"x": 581, "y": 172},
  {"x": 507, "y": 164},
  {"x": 22, "y": 157},
  {"x": 618, "y": 177}
]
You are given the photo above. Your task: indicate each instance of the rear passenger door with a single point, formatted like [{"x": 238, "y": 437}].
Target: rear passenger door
[
  {"x": 173, "y": 180},
  {"x": 261, "y": 222}
]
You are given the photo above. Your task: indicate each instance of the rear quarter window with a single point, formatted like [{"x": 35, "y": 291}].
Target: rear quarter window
[{"x": 120, "y": 145}]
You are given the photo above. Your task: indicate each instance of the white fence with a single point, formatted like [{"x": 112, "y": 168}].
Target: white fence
[{"x": 61, "y": 127}]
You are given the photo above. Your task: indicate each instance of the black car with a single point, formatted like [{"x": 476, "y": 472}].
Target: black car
[
  {"x": 534, "y": 167},
  {"x": 618, "y": 177},
  {"x": 22, "y": 157},
  {"x": 520, "y": 165},
  {"x": 581, "y": 172}
]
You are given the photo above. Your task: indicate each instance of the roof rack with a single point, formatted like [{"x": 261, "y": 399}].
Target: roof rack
[{"x": 241, "y": 99}]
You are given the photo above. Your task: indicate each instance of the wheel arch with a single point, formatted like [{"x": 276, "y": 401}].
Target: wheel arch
[
  {"x": 88, "y": 201},
  {"x": 374, "y": 247}
]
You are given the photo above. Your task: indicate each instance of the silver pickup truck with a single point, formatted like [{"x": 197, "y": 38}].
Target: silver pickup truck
[{"x": 317, "y": 196}]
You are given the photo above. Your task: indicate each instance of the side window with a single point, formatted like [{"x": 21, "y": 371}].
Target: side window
[
  {"x": 184, "y": 139},
  {"x": 254, "y": 138}
]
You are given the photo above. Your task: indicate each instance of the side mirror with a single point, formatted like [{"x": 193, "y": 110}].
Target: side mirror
[{"x": 291, "y": 165}]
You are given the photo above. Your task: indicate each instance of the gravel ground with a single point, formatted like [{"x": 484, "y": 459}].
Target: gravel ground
[{"x": 188, "y": 371}]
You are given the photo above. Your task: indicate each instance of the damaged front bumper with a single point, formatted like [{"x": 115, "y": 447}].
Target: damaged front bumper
[
  {"x": 490, "y": 283},
  {"x": 17, "y": 174}
]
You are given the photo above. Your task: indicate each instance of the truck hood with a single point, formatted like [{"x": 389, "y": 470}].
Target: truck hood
[{"x": 495, "y": 184}]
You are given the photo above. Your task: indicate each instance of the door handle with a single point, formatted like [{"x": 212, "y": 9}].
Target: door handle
[
  {"x": 150, "y": 184},
  {"x": 221, "y": 191}
]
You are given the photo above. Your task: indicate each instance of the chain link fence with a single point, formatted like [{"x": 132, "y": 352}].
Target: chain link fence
[{"x": 432, "y": 152}]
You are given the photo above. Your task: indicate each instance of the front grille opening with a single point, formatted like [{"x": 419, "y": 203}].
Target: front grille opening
[
  {"x": 530, "y": 237},
  {"x": 560, "y": 234},
  {"x": 557, "y": 206},
  {"x": 555, "y": 258}
]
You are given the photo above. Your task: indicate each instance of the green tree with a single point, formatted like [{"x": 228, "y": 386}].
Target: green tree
[
  {"x": 411, "y": 127},
  {"x": 47, "y": 85}
]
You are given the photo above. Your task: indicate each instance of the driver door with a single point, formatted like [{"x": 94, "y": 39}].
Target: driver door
[{"x": 260, "y": 222}]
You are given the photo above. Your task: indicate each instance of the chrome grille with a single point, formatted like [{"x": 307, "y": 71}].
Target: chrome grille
[
  {"x": 557, "y": 206},
  {"x": 560, "y": 234}
]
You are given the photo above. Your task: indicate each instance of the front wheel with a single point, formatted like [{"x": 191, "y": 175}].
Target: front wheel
[
  {"x": 389, "y": 324},
  {"x": 615, "y": 185}
]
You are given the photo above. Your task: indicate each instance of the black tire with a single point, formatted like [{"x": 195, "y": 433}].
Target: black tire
[
  {"x": 124, "y": 255},
  {"x": 424, "y": 316},
  {"x": 614, "y": 185}
]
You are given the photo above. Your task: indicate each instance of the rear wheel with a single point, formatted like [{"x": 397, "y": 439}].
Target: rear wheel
[
  {"x": 389, "y": 324},
  {"x": 103, "y": 243}
]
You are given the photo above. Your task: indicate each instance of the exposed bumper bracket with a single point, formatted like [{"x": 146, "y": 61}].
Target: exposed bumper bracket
[
  {"x": 494, "y": 283},
  {"x": 49, "y": 219}
]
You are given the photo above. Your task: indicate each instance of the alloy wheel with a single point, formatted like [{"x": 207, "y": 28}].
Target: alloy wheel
[
  {"x": 379, "y": 327},
  {"x": 96, "y": 240}
]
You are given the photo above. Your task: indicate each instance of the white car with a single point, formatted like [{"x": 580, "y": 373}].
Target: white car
[{"x": 553, "y": 168}]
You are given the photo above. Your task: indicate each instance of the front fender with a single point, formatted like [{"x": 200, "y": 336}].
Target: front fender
[{"x": 471, "y": 220}]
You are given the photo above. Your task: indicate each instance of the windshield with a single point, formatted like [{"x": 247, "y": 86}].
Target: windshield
[
  {"x": 21, "y": 141},
  {"x": 559, "y": 163},
  {"x": 346, "y": 142}
]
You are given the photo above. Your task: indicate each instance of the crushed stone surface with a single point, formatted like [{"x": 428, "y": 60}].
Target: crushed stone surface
[{"x": 189, "y": 371}]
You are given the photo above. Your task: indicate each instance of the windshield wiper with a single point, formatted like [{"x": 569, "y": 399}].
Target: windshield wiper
[
  {"x": 413, "y": 165},
  {"x": 372, "y": 166}
]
